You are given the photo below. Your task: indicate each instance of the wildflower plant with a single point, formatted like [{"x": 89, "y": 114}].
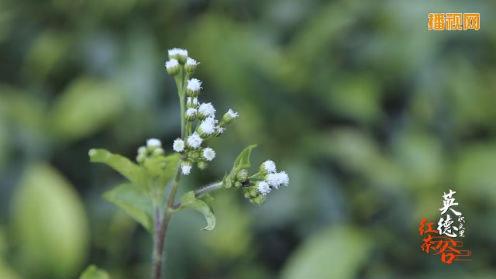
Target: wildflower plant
[{"x": 149, "y": 195}]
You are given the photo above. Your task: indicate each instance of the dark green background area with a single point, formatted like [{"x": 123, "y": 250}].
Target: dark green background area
[{"x": 372, "y": 116}]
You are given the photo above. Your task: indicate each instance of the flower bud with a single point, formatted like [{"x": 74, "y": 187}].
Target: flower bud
[
  {"x": 140, "y": 158},
  {"x": 242, "y": 175},
  {"x": 172, "y": 66},
  {"x": 158, "y": 151},
  {"x": 190, "y": 114},
  {"x": 229, "y": 116},
  {"x": 238, "y": 184},
  {"x": 268, "y": 167},
  {"x": 207, "y": 127},
  {"x": 202, "y": 165},
  {"x": 186, "y": 168},
  {"x": 190, "y": 65},
  {"x": 179, "y": 54},
  {"x": 153, "y": 143},
  {"x": 192, "y": 102},
  {"x": 206, "y": 110}
]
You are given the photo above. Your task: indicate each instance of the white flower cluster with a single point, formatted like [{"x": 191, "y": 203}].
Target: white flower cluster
[
  {"x": 273, "y": 179},
  {"x": 153, "y": 148},
  {"x": 200, "y": 117}
]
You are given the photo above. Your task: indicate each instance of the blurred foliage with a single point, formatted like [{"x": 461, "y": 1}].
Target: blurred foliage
[{"x": 372, "y": 116}]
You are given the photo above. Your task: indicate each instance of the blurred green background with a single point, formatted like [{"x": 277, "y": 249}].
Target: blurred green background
[{"x": 372, "y": 116}]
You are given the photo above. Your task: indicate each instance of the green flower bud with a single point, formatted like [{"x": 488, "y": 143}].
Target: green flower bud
[
  {"x": 172, "y": 66},
  {"x": 242, "y": 175},
  {"x": 158, "y": 151},
  {"x": 228, "y": 117},
  {"x": 190, "y": 65},
  {"x": 140, "y": 158},
  {"x": 202, "y": 165}
]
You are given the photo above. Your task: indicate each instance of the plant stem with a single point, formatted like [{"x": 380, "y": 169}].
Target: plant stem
[
  {"x": 161, "y": 225},
  {"x": 208, "y": 188},
  {"x": 163, "y": 217}
]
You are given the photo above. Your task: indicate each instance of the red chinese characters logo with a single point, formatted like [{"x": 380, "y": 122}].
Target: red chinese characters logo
[{"x": 445, "y": 239}]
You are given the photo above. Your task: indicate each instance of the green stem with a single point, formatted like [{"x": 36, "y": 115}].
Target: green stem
[
  {"x": 163, "y": 217},
  {"x": 209, "y": 188}
]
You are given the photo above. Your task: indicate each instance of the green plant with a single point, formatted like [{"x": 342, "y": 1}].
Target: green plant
[{"x": 149, "y": 196}]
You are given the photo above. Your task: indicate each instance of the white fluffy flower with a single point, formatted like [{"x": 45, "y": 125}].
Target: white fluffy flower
[
  {"x": 186, "y": 168},
  {"x": 153, "y": 143},
  {"x": 207, "y": 126},
  {"x": 283, "y": 178},
  {"x": 178, "y": 145},
  {"x": 263, "y": 187},
  {"x": 178, "y": 52},
  {"x": 194, "y": 85},
  {"x": 206, "y": 109},
  {"x": 171, "y": 64},
  {"x": 277, "y": 179},
  {"x": 208, "y": 154},
  {"x": 191, "y": 62},
  {"x": 269, "y": 166},
  {"x": 194, "y": 141}
]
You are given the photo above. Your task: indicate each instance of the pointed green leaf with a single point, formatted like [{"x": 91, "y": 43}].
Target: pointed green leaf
[
  {"x": 119, "y": 163},
  {"x": 134, "y": 201},
  {"x": 93, "y": 272},
  {"x": 243, "y": 159},
  {"x": 189, "y": 200},
  {"x": 241, "y": 162}
]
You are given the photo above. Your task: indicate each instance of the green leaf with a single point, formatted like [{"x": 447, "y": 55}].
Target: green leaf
[
  {"x": 163, "y": 169},
  {"x": 134, "y": 201},
  {"x": 119, "y": 163},
  {"x": 85, "y": 107},
  {"x": 93, "y": 272},
  {"x": 243, "y": 159},
  {"x": 241, "y": 162},
  {"x": 333, "y": 253},
  {"x": 50, "y": 223},
  {"x": 189, "y": 200}
]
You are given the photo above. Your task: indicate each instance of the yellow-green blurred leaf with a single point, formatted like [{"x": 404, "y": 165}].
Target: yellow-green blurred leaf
[
  {"x": 86, "y": 106},
  {"x": 93, "y": 272},
  {"x": 50, "y": 224},
  {"x": 333, "y": 253}
]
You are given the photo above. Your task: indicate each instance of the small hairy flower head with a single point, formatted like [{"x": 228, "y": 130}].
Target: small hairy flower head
[
  {"x": 263, "y": 187},
  {"x": 192, "y": 102},
  {"x": 208, "y": 154},
  {"x": 185, "y": 168},
  {"x": 172, "y": 67},
  {"x": 268, "y": 166},
  {"x": 190, "y": 65},
  {"x": 191, "y": 114},
  {"x": 153, "y": 143},
  {"x": 178, "y": 145},
  {"x": 193, "y": 87},
  {"x": 207, "y": 126},
  {"x": 277, "y": 179},
  {"x": 229, "y": 116},
  {"x": 194, "y": 141},
  {"x": 206, "y": 110},
  {"x": 179, "y": 54}
]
